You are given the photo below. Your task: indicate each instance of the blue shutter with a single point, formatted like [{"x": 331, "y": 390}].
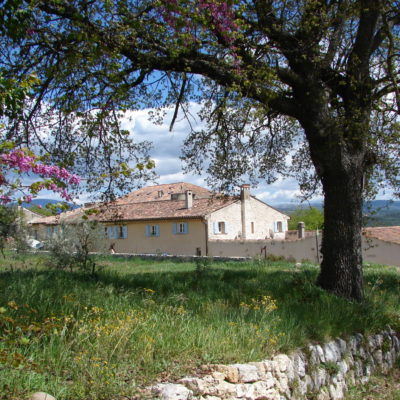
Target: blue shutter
[
  {"x": 125, "y": 232},
  {"x": 116, "y": 236},
  {"x": 174, "y": 228},
  {"x": 185, "y": 228},
  {"x": 49, "y": 231},
  {"x": 215, "y": 228},
  {"x": 226, "y": 227},
  {"x": 109, "y": 232},
  {"x": 147, "y": 230},
  {"x": 157, "y": 230}
]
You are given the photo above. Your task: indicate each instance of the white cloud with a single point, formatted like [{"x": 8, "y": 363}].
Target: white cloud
[{"x": 167, "y": 149}]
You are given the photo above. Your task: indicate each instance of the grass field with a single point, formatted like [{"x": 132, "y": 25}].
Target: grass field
[{"x": 78, "y": 336}]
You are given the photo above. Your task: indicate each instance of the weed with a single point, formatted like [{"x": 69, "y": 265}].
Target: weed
[{"x": 331, "y": 367}]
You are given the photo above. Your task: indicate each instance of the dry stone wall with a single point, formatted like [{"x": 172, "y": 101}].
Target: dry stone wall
[{"x": 319, "y": 372}]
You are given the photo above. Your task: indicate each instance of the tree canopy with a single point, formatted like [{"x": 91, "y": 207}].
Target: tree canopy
[
  {"x": 312, "y": 217},
  {"x": 312, "y": 79}
]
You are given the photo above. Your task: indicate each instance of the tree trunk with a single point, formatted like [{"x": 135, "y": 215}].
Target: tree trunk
[{"x": 341, "y": 267}]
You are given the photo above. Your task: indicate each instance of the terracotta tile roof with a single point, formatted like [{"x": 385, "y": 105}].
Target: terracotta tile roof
[
  {"x": 385, "y": 233},
  {"x": 148, "y": 210},
  {"x": 163, "y": 193}
]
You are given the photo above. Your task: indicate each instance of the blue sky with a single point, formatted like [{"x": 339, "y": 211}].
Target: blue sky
[{"x": 167, "y": 149}]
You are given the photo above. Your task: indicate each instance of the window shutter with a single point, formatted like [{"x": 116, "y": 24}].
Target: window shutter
[
  {"x": 48, "y": 231},
  {"x": 147, "y": 230},
  {"x": 125, "y": 232},
  {"x": 109, "y": 232},
  {"x": 157, "y": 230},
  {"x": 186, "y": 228},
  {"x": 215, "y": 227},
  {"x": 116, "y": 236},
  {"x": 174, "y": 228},
  {"x": 275, "y": 227},
  {"x": 226, "y": 227}
]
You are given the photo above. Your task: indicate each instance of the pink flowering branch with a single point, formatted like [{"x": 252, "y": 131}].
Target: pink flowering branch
[
  {"x": 218, "y": 14},
  {"x": 22, "y": 162}
]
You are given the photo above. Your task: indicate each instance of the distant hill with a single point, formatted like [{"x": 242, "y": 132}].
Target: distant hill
[
  {"x": 376, "y": 212},
  {"x": 37, "y": 204}
]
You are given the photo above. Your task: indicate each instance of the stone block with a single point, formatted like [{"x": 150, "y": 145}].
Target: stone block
[
  {"x": 172, "y": 391},
  {"x": 41, "y": 396},
  {"x": 341, "y": 346},
  {"x": 331, "y": 352},
  {"x": 247, "y": 373},
  {"x": 343, "y": 367},
  {"x": 323, "y": 394},
  {"x": 299, "y": 364},
  {"x": 231, "y": 373},
  {"x": 260, "y": 369}
]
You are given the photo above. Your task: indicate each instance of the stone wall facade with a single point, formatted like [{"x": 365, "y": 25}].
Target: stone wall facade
[{"x": 319, "y": 372}]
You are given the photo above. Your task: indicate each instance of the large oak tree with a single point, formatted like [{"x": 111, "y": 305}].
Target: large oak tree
[{"x": 318, "y": 78}]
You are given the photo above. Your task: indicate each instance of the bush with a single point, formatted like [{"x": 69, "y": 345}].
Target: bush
[{"x": 71, "y": 246}]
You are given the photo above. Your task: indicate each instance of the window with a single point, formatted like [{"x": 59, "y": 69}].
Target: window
[
  {"x": 116, "y": 232},
  {"x": 51, "y": 231},
  {"x": 152, "y": 230},
  {"x": 252, "y": 227},
  {"x": 220, "y": 227},
  {"x": 180, "y": 228},
  {"x": 278, "y": 226}
]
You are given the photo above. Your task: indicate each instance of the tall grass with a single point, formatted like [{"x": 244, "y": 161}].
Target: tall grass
[{"x": 135, "y": 321}]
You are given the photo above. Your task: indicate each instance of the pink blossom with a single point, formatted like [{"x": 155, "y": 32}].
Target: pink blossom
[
  {"x": 25, "y": 163},
  {"x": 5, "y": 199}
]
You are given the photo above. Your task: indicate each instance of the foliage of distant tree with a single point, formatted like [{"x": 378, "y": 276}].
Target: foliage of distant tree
[
  {"x": 40, "y": 210},
  {"x": 319, "y": 77},
  {"x": 312, "y": 217},
  {"x": 13, "y": 229}
]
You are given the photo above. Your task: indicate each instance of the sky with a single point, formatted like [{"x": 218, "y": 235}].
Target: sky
[{"x": 167, "y": 150}]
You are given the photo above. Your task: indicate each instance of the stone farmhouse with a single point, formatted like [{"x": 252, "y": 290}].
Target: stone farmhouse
[{"x": 176, "y": 219}]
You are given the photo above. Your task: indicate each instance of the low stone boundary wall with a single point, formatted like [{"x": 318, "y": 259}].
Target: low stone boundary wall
[{"x": 319, "y": 372}]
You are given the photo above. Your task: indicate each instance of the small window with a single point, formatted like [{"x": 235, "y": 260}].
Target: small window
[
  {"x": 122, "y": 232},
  {"x": 279, "y": 226},
  {"x": 220, "y": 227},
  {"x": 116, "y": 232},
  {"x": 180, "y": 228},
  {"x": 152, "y": 230},
  {"x": 252, "y": 227},
  {"x": 51, "y": 231}
]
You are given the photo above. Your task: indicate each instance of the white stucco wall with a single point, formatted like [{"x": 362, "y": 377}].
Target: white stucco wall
[
  {"x": 374, "y": 250},
  {"x": 257, "y": 214}
]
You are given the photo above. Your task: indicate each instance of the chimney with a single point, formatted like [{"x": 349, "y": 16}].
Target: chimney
[
  {"x": 245, "y": 191},
  {"x": 188, "y": 199},
  {"x": 244, "y": 197}
]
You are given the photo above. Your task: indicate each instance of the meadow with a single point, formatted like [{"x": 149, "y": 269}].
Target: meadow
[{"x": 108, "y": 335}]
